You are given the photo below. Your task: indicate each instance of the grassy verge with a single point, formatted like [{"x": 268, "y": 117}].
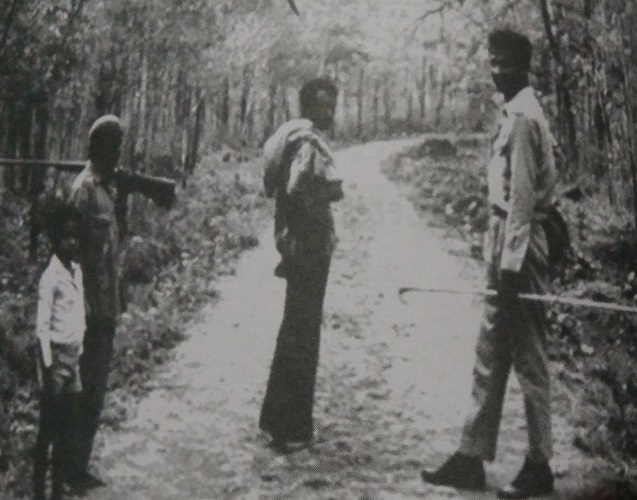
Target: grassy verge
[
  {"x": 169, "y": 268},
  {"x": 595, "y": 353}
]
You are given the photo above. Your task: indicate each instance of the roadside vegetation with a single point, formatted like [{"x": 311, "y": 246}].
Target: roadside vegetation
[
  {"x": 200, "y": 84},
  {"x": 170, "y": 264},
  {"x": 594, "y": 352}
]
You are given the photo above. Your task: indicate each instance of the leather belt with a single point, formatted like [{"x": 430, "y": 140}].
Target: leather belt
[{"x": 500, "y": 212}]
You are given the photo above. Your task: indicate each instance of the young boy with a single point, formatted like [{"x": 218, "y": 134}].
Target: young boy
[{"x": 60, "y": 330}]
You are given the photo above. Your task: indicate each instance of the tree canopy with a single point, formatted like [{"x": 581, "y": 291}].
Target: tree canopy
[{"x": 197, "y": 74}]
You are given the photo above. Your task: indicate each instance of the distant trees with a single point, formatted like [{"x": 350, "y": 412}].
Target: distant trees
[
  {"x": 198, "y": 74},
  {"x": 593, "y": 52},
  {"x": 195, "y": 74}
]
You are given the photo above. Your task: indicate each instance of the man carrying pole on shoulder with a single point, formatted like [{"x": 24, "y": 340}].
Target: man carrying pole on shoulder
[
  {"x": 521, "y": 177},
  {"x": 92, "y": 196}
]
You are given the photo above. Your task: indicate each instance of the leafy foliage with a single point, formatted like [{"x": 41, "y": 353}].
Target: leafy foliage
[
  {"x": 596, "y": 352},
  {"x": 447, "y": 181},
  {"x": 197, "y": 76},
  {"x": 169, "y": 272}
]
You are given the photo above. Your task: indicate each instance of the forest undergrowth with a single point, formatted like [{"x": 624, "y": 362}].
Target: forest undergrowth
[
  {"x": 594, "y": 352},
  {"x": 170, "y": 260}
]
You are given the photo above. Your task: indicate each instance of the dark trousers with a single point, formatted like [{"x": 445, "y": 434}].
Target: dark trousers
[
  {"x": 58, "y": 413},
  {"x": 287, "y": 408},
  {"x": 94, "y": 369},
  {"x": 59, "y": 398}
]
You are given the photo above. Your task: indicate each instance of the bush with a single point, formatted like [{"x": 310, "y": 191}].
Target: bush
[
  {"x": 168, "y": 272},
  {"x": 447, "y": 178}
]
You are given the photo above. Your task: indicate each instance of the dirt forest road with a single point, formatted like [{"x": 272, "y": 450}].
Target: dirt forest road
[{"x": 393, "y": 384}]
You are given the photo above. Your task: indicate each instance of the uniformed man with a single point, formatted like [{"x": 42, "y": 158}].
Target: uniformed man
[
  {"x": 92, "y": 196},
  {"x": 521, "y": 177}
]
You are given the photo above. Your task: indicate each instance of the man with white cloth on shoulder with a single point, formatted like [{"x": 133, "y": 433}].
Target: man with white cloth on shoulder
[{"x": 299, "y": 174}]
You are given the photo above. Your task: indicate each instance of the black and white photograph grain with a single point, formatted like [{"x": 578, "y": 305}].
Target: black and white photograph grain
[{"x": 318, "y": 249}]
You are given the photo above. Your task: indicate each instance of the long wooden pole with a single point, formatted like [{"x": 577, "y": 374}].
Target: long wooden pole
[
  {"x": 550, "y": 299},
  {"x": 65, "y": 165}
]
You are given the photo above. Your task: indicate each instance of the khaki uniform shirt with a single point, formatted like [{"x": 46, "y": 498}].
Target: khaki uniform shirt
[
  {"x": 98, "y": 243},
  {"x": 521, "y": 175}
]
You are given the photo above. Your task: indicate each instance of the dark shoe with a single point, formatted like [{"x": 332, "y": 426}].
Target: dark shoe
[
  {"x": 460, "y": 471},
  {"x": 533, "y": 480},
  {"x": 279, "y": 446},
  {"x": 84, "y": 481},
  {"x": 286, "y": 447},
  {"x": 281, "y": 270},
  {"x": 39, "y": 474}
]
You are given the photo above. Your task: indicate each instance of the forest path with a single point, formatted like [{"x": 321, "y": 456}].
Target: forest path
[{"x": 393, "y": 383}]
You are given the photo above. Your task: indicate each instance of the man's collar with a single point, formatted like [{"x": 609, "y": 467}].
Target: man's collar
[
  {"x": 60, "y": 268},
  {"x": 320, "y": 133},
  {"x": 94, "y": 172},
  {"x": 99, "y": 177},
  {"x": 521, "y": 102},
  {"x": 57, "y": 265}
]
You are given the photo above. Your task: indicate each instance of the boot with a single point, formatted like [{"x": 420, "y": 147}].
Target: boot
[
  {"x": 534, "y": 479},
  {"x": 459, "y": 471}
]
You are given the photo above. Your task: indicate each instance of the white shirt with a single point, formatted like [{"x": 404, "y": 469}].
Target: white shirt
[{"x": 61, "y": 313}]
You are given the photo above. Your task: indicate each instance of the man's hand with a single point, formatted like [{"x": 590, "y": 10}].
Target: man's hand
[
  {"x": 323, "y": 191},
  {"x": 335, "y": 189},
  {"x": 508, "y": 287},
  {"x": 46, "y": 381}
]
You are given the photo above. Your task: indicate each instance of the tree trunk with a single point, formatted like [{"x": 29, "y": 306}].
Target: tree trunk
[
  {"x": 346, "y": 111},
  {"x": 271, "y": 116},
  {"x": 200, "y": 117},
  {"x": 223, "y": 109},
  {"x": 410, "y": 100},
  {"x": 375, "y": 108},
  {"x": 141, "y": 148},
  {"x": 442, "y": 90},
  {"x": 387, "y": 105},
  {"x": 422, "y": 96},
  {"x": 631, "y": 119},
  {"x": 359, "y": 105},
  {"x": 36, "y": 184},
  {"x": 245, "y": 97},
  {"x": 286, "y": 105},
  {"x": 564, "y": 95}
]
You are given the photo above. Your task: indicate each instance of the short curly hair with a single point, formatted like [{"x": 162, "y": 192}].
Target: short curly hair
[
  {"x": 103, "y": 130},
  {"x": 515, "y": 48},
  {"x": 307, "y": 95},
  {"x": 56, "y": 214}
]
